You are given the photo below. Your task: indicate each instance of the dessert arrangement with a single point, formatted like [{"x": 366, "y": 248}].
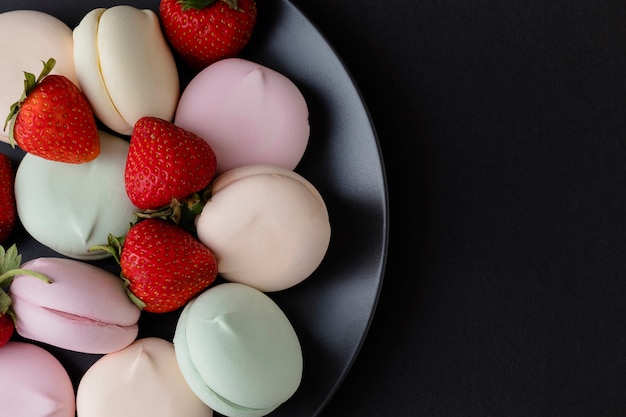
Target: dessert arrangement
[{"x": 192, "y": 192}]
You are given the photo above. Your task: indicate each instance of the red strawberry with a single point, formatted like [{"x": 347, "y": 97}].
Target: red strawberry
[
  {"x": 6, "y": 328},
  {"x": 165, "y": 162},
  {"x": 163, "y": 265},
  {"x": 8, "y": 214},
  {"x": 54, "y": 120},
  {"x": 10, "y": 261},
  {"x": 205, "y": 31}
]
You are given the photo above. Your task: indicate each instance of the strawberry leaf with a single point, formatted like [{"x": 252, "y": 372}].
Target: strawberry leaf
[
  {"x": 181, "y": 213},
  {"x": 9, "y": 259},
  {"x": 11, "y": 122},
  {"x": 113, "y": 247},
  {"x": 5, "y": 302},
  {"x": 47, "y": 69},
  {"x": 136, "y": 300},
  {"x": 201, "y": 4}
]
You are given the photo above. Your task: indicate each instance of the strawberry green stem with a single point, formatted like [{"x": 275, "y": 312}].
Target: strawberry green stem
[
  {"x": 201, "y": 4},
  {"x": 10, "y": 261},
  {"x": 182, "y": 213},
  {"x": 10, "y": 274},
  {"x": 113, "y": 247}
]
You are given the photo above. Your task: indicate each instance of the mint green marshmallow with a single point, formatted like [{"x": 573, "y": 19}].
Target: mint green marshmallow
[{"x": 238, "y": 351}]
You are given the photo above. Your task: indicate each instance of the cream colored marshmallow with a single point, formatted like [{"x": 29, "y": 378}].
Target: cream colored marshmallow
[
  {"x": 267, "y": 226},
  {"x": 125, "y": 66},
  {"x": 142, "y": 379}
]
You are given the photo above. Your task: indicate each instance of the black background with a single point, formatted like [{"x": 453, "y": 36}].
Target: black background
[{"x": 502, "y": 125}]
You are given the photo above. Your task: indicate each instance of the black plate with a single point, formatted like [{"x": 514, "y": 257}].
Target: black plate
[{"x": 331, "y": 310}]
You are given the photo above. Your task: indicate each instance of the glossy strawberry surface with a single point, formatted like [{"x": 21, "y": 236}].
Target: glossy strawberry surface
[
  {"x": 6, "y": 329},
  {"x": 164, "y": 265},
  {"x": 165, "y": 162},
  {"x": 8, "y": 211},
  {"x": 55, "y": 121},
  {"x": 204, "y": 31}
]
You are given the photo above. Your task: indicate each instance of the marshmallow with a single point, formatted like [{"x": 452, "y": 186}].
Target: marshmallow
[
  {"x": 72, "y": 207},
  {"x": 125, "y": 66},
  {"x": 238, "y": 351},
  {"x": 34, "y": 383},
  {"x": 248, "y": 113},
  {"x": 84, "y": 308},
  {"x": 142, "y": 379},
  {"x": 267, "y": 226}
]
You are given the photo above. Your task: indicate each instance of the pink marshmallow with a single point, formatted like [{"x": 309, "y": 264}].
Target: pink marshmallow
[
  {"x": 85, "y": 308},
  {"x": 248, "y": 113},
  {"x": 34, "y": 383}
]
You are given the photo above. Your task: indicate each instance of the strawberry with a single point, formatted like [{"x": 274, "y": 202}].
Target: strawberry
[
  {"x": 163, "y": 266},
  {"x": 8, "y": 213},
  {"x": 10, "y": 261},
  {"x": 205, "y": 31},
  {"x": 165, "y": 162},
  {"x": 7, "y": 325},
  {"x": 54, "y": 120}
]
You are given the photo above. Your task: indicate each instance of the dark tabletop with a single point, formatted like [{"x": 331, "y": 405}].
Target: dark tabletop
[{"x": 503, "y": 129}]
